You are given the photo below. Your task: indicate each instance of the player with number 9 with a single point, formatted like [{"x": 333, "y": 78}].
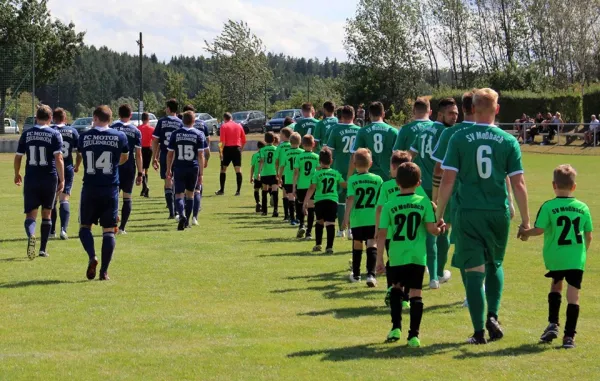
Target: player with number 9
[
  {"x": 268, "y": 174},
  {"x": 104, "y": 150},
  {"x": 305, "y": 166},
  {"x": 379, "y": 137},
  {"x": 341, "y": 139},
  {"x": 479, "y": 158}
]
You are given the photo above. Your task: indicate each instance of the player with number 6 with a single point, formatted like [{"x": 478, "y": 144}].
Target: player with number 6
[{"x": 480, "y": 158}]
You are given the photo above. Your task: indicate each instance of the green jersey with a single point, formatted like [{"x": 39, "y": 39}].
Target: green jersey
[
  {"x": 483, "y": 155},
  {"x": 327, "y": 181},
  {"x": 379, "y": 138},
  {"x": 288, "y": 163},
  {"x": 423, "y": 145},
  {"x": 306, "y": 163},
  {"x": 322, "y": 130},
  {"x": 341, "y": 139},
  {"x": 364, "y": 187},
  {"x": 390, "y": 189},
  {"x": 306, "y": 126},
  {"x": 439, "y": 152},
  {"x": 564, "y": 220},
  {"x": 408, "y": 133},
  {"x": 405, "y": 217},
  {"x": 280, "y": 153},
  {"x": 267, "y": 156},
  {"x": 255, "y": 162}
]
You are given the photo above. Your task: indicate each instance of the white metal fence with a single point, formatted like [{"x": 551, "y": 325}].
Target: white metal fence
[{"x": 558, "y": 134}]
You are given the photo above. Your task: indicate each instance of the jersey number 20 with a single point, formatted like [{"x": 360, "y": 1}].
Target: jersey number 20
[{"x": 411, "y": 221}]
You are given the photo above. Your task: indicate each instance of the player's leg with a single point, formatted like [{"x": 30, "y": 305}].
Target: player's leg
[
  {"x": 574, "y": 278},
  {"x": 275, "y": 194},
  {"x": 89, "y": 212},
  {"x": 357, "y": 250},
  {"x": 431, "y": 245},
  {"x": 320, "y": 226},
  {"x": 443, "y": 247},
  {"x": 291, "y": 204},
  {"x": 108, "y": 221},
  {"x": 237, "y": 163},
  {"x": 53, "y": 218},
  {"x": 554, "y": 301},
  {"x": 416, "y": 304},
  {"x": 494, "y": 286},
  {"x": 265, "y": 194},
  {"x": 285, "y": 201},
  {"x": 257, "y": 190},
  {"x": 168, "y": 186},
  {"x": 190, "y": 188},
  {"x": 223, "y": 175},
  {"x": 310, "y": 218},
  {"x": 396, "y": 296},
  {"x": 125, "y": 212},
  {"x": 371, "y": 257},
  {"x": 64, "y": 210},
  {"x": 300, "y": 195},
  {"x": 179, "y": 198},
  {"x": 146, "y": 159},
  {"x": 197, "y": 203},
  {"x": 48, "y": 201},
  {"x": 341, "y": 210}
]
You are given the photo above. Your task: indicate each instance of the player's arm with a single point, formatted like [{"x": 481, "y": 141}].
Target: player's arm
[
  {"x": 448, "y": 180},
  {"x": 588, "y": 240},
  {"x": 349, "y": 206},
  {"x": 532, "y": 232},
  {"x": 251, "y": 172},
  {"x": 78, "y": 161},
  {"x": 17, "y": 166},
  {"x": 60, "y": 170},
  {"x": 260, "y": 166},
  {"x": 433, "y": 229},
  {"x": 381, "y": 238},
  {"x": 200, "y": 165},
  {"x": 139, "y": 165},
  {"x": 155, "y": 152},
  {"x": 344, "y": 184},
  {"x": 170, "y": 158},
  {"x": 438, "y": 172},
  {"x": 520, "y": 191},
  {"x": 511, "y": 204},
  {"x": 124, "y": 158},
  {"x": 351, "y": 167},
  {"x": 296, "y": 175}
]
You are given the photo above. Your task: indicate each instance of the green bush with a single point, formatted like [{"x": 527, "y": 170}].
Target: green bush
[
  {"x": 514, "y": 103},
  {"x": 591, "y": 102}
]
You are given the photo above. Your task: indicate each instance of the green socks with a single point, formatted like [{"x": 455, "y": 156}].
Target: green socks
[
  {"x": 463, "y": 277},
  {"x": 432, "y": 259},
  {"x": 494, "y": 285},
  {"x": 443, "y": 246},
  {"x": 341, "y": 211},
  {"x": 474, "y": 281}
]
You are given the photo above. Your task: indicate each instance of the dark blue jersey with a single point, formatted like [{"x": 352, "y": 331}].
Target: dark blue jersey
[
  {"x": 200, "y": 125},
  {"x": 186, "y": 143},
  {"x": 40, "y": 144},
  {"x": 134, "y": 140},
  {"x": 164, "y": 128},
  {"x": 70, "y": 136},
  {"x": 101, "y": 148}
]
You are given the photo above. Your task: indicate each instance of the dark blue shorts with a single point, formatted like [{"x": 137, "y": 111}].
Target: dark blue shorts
[
  {"x": 186, "y": 179},
  {"x": 99, "y": 206},
  {"x": 126, "y": 179},
  {"x": 38, "y": 193},
  {"x": 163, "y": 165},
  {"x": 69, "y": 176}
]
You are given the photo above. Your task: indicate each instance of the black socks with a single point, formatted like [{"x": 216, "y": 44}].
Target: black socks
[
  {"x": 371, "y": 260},
  {"x": 222, "y": 178},
  {"x": 554, "y": 299},
  {"x": 238, "y": 178},
  {"x": 572, "y": 317},
  {"x": 416, "y": 314},
  {"x": 330, "y": 235},
  {"x": 318, "y": 233}
]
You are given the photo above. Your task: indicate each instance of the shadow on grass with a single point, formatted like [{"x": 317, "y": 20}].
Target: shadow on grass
[
  {"x": 349, "y": 312},
  {"x": 307, "y": 253},
  {"x": 46, "y": 282},
  {"x": 524, "y": 349},
  {"x": 377, "y": 351},
  {"x": 16, "y": 259},
  {"x": 315, "y": 288},
  {"x": 6, "y": 240},
  {"x": 323, "y": 277},
  {"x": 151, "y": 230},
  {"x": 270, "y": 240}
]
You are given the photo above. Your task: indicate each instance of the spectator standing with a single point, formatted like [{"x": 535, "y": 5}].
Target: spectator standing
[{"x": 360, "y": 115}]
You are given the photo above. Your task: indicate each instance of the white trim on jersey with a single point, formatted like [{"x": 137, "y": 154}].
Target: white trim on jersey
[
  {"x": 448, "y": 168},
  {"x": 516, "y": 173}
]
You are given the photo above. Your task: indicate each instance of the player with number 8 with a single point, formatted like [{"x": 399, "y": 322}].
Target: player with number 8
[{"x": 267, "y": 174}]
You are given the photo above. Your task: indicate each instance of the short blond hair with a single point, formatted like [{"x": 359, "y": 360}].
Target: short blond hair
[
  {"x": 485, "y": 101},
  {"x": 295, "y": 139},
  {"x": 287, "y": 132},
  {"x": 564, "y": 177},
  {"x": 362, "y": 158}
]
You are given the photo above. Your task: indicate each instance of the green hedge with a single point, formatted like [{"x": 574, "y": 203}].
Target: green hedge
[
  {"x": 514, "y": 103},
  {"x": 591, "y": 103}
]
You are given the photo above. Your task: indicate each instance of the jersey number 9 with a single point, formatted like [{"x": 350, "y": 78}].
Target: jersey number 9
[{"x": 307, "y": 168}]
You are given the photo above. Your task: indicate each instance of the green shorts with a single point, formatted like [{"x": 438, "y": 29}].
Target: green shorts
[{"x": 480, "y": 237}]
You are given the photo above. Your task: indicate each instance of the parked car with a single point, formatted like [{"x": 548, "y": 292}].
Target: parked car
[
  {"x": 29, "y": 123},
  {"x": 83, "y": 124},
  {"x": 252, "y": 121},
  {"x": 211, "y": 123},
  {"x": 136, "y": 119},
  {"x": 10, "y": 126},
  {"x": 276, "y": 122}
]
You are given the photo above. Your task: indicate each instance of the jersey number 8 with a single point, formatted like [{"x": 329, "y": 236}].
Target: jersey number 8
[
  {"x": 270, "y": 158},
  {"x": 378, "y": 143}
]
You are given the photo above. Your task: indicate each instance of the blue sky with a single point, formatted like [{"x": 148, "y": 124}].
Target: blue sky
[{"x": 302, "y": 28}]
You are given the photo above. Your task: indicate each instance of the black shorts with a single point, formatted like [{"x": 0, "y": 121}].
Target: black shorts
[
  {"x": 326, "y": 210},
  {"x": 232, "y": 154},
  {"x": 289, "y": 188},
  {"x": 257, "y": 184},
  {"x": 99, "y": 205},
  {"x": 146, "y": 157},
  {"x": 39, "y": 192},
  {"x": 301, "y": 195},
  {"x": 269, "y": 180},
  {"x": 363, "y": 233},
  {"x": 573, "y": 277},
  {"x": 410, "y": 275}
]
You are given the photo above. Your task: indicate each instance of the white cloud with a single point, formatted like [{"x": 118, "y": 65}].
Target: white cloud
[{"x": 171, "y": 29}]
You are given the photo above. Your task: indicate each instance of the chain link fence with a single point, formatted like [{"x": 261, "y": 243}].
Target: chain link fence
[{"x": 17, "y": 81}]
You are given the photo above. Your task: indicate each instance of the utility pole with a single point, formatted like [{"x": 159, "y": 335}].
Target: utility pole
[
  {"x": 141, "y": 102},
  {"x": 32, "y": 79},
  {"x": 309, "y": 89},
  {"x": 265, "y": 99}
]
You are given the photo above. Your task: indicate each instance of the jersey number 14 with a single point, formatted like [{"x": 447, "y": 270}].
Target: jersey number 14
[{"x": 103, "y": 162}]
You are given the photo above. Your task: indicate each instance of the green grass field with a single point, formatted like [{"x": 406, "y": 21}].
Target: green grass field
[{"x": 238, "y": 298}]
